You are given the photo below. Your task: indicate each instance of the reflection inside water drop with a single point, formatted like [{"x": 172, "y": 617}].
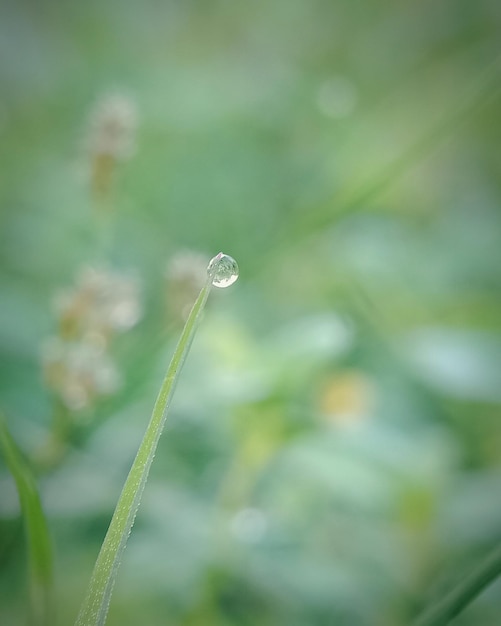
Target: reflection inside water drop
[{"x": 223, "y": 269}]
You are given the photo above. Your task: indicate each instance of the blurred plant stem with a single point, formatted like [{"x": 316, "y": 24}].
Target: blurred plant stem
[
  {"x": 485, "y": 89},
  {"x": 453, "y": 603},
  {"x": 36, "y": 530},
  {"x": 54, "y": 449}
]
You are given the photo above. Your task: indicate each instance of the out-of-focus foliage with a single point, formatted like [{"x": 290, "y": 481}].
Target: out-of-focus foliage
[
  {"x": 333, "y": 453},
  {"x": 39, "y": 548}
]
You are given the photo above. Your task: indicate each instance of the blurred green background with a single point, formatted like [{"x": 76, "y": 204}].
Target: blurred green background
[{"x": 333, "y": 452}]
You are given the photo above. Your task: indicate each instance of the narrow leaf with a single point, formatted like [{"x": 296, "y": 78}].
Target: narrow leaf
[
  {"x": 453, "y": 603},
  {"x": 37, "y": 533},
  {"x": 222, "y": 271}
]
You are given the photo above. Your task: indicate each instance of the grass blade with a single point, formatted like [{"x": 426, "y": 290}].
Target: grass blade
[
  {"x": 36, "y": 529},
  {"x": 448, "y": 607},
  {"x": 96, "y": 603}
]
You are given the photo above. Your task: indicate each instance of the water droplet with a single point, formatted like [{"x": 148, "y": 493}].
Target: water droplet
[{"x": 223, "y": 269}]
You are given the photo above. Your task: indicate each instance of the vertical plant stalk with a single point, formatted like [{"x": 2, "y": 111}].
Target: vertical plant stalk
[
  {"x": 36, "y": 530},
  {"x": 451, "y": 605},
  {"x": 96, "y": 603}
]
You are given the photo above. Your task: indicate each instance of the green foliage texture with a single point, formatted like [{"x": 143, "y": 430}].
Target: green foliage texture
[{"x": 333, "y": 452}]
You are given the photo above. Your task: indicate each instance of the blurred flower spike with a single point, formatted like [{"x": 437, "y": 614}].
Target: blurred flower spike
[
  {"x": 111, "y": 138},
  {"x": 103, "y": 302},
  {"x": 79, "y": 372},
  {"x": 77, "y": 364},
  {"x": 185, "y": 275}
]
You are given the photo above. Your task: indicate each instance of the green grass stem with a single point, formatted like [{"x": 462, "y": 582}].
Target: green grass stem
[
  {"x": 96, "y": 603},
  {"x": 37, "y": 534},
  {"x": 451, "y": 605}
]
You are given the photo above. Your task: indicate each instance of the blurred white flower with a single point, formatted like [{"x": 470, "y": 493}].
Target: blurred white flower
[
  {"x": 185, "y": 275},
  {"x": 102, "y": 301},
  {"x": 110, "y": 140},
  {"x": 112, "y": 127},
  {"x": 78, "y": 372},
  {"x": 77, "y": 365}
]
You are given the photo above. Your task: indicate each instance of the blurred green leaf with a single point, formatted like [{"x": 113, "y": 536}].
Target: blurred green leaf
[
  {"x": 453, "y": 603},
  {"x": 464, "y": 364},
  {"x": 37, "y": 532}
]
